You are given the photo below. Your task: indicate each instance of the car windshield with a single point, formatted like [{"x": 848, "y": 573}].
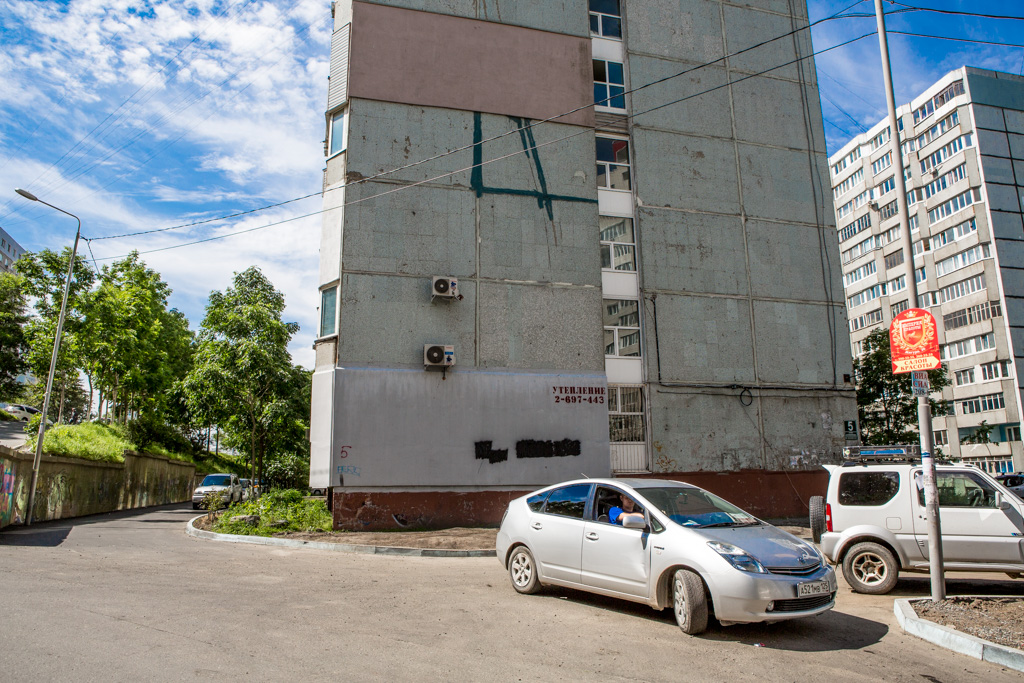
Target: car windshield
[
  {"x": 216, "y": 480},
  {"x": 693, "y": 507}
]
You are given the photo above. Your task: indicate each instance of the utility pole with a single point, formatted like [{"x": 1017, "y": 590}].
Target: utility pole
[{"x": 924, "y": 411}]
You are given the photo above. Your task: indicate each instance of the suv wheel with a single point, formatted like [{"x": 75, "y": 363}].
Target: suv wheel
[
  {"x": 817, "y": 512},
  {"x": 870, "y": 568}
]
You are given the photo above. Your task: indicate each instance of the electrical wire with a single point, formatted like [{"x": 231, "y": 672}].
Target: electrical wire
[
  {"x": 958, "y": 13},
  {"x": 959, "y": 40},
  {"x": 403, "y": 187}
]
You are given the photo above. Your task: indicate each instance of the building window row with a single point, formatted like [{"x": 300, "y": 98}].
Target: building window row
[
  {"x": 866, "y": 295},
  {"x": 938, "y": 129},
  {"x": 889, "y": 210},
  {"x": 957, "y": 232},
  {"x": 857, "y": 275},
  {"x": 879, "y": 139},
  {"x": 944, "y": 181},
  {"x": 898, "y": 308},
  {"x": 946, "y": 151},
  {"x": 881, "y": 163},
  {"x": 862, "y": 223},
  {"x": 999, "y": 369},
  {"x": 605, "y": 18},
  {"x": 980, "y": 404},
  {"x": 963, "y": 259},
  {"x": 897, "y": 284},
  {"x": 887, "y": 186},
  {"x": 954, "y": 205},
  {"x": 846, "y": 160},
  {"x": 863, "y": 247},
  {"x": 849, "y": 183},
  {"x": 872, "y": 318},
  {"x": 971, "y": 315},
  {"x": 929, "y": 107},
  {"x": 969, "y": 346}
]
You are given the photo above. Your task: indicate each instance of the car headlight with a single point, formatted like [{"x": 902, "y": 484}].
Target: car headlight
[{"x": 738, "y": 557}]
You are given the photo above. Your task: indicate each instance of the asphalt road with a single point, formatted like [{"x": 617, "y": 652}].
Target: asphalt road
[
  {"x": 129, "y": 596},
  {"x": 12, "y": 434}
]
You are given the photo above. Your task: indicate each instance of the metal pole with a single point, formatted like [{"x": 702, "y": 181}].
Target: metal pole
[
  {"x": 924, "y": 411},
  {"x": 53, "y": 358}
]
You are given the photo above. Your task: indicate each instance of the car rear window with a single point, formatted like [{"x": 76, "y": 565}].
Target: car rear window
[
  {"x": 568, "y": 501},
  {"x": 868, "y": 488}
]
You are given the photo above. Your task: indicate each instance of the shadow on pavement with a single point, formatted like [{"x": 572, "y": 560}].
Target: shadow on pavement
[
  {"x": 921, "y": 587},
  {"x": 52, "y": 533},
  {"x": 827, "y": 632}
]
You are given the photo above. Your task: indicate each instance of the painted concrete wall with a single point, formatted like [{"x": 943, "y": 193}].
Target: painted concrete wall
[
  {"x": 69, "y": 487},
  {"x": 746, "y": 342}
]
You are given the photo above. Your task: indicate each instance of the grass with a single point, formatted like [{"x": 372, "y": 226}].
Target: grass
[
  {"x": 90, "y": 441},
  {"x": 6, "y": 417},
  {"x": 280, "y": 510}
]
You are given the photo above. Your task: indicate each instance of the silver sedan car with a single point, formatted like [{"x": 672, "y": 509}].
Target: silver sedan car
[{"x": 664, "y": 543}]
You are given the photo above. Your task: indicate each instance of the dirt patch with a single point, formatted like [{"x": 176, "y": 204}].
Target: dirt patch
[
  {"x": 999, "y": 620},
  {"x": 459, "y": 538}
]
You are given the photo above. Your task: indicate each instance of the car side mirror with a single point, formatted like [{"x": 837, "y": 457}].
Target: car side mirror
[
  {"x": 1001, "y": 502},
  {"x": 630, "y": 521}
]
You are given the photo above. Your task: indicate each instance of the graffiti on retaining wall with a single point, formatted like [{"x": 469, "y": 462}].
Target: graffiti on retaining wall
[{"x": 6, "y": 493}]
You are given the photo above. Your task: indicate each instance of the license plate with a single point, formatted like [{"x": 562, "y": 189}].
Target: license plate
[{"x": 813, "y": 588}]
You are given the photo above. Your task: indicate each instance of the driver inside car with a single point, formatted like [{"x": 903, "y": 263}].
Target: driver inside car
[{"x": 627, "y": 509}]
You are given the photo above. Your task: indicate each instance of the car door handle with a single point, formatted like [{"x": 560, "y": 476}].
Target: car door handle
[
  {"x": 592, "y": 536},
  {"x": 537, "y": 525}
]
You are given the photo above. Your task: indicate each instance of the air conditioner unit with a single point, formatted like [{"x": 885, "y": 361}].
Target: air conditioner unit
[
  {"x": 444, "y": 286},
  {"x": 438, "y": 356}
]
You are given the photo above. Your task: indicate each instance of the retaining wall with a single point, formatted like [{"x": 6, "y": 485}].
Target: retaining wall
[{"x": 70, "y": 487}]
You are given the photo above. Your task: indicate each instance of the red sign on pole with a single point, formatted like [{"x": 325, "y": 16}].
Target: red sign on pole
[{"x": 914, "y": 340}]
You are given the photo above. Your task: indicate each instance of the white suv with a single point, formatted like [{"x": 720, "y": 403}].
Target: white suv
[{"x": 873, "y": 522}]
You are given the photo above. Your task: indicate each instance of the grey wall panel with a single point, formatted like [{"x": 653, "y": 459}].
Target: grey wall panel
[
  {"x": 700, "y": 339},
  {"x": 793, "y": 342},
  {"x": 1016, "y": 146},
  {"x": 1014, "y": 121},
  {"x": 418, "y": 231},
  {"x": 776, "y": 118},
  {"x": 694, "y": 34},
  {"x": 1011, "y": 253},
  {"x": 691, "y": 115},
  {"x": 412, "y": 429},
  {"x": 685, "y": 172},
  {"x": 560, "y": 16},
  {"x": 812, "y": 432},
  {"x": 692, "y": 252},
  {"x": 536, "y": 327},
  {"x": 1003, "y": 197},
  {"x": 987, "y": 89},
  {"x": 395, "y": 317},
  {"x": 997, "y": 169},
  {"x": 988, "y": 117},
  {"x": 993, "y": 143},
  {"x": 792, "y": 262},
  {"x": 777, "y": 185},
  {"x": 1007, "y": 225},
  {"x": 745, "y": 28}
]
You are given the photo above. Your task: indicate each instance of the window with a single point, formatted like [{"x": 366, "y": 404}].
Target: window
[
  {"x": 945, "y": 180},
  {"x": 995, "y": 370},
  {"x": 859, "y": 274},
  {"x": 973, "y": 314},
  {"x": 962, "y": 260},
  {"x": 929, "y": 107},
  {"x": 957, "y": 232},
  {"x": 609, "y": 84},
  {"x": 605, "y": 18},
  {"x": 617, "y": 243},
  {"x": 897, "y": 284},
  {"x": 868, "y": 488},
  {"x": 938, "y": 129},
  {"x": 337, "y": 134},
  {"x": 959, "y": 490},
  {"x": 940, "y": 438},
  {"x": 882, "y": 163},
  {"x": 852, "y": 229},
  {"x": 613, "y": 163},
  {"x": 961, "y": 289},
  {"x": 869, "y": 294},
  {"x": 626, "y": 414},
  {"x": 951, "y": 206},
  {"x": 847, "y": 185},
  {"x": 894, "y": 259},
  {"x": 328, "y": 311},
  {"x": 887, "y": 186},
  {"x": 621, "y": 327},
  {"x": 568, "y": 501},
  {"x": 861, "y": 248},
  {"x": 872, "y": 318},
  {"x": 879, "y": 139},
  {"x": 965, "y": 377},
  {"x": 1013, "y": 434},
  {"x": 889, "y": 210},
  {"x": 900, "y": 307},
  {"x": 537, "y": 502},
  {"x": 945, "y": 152},
  {"x": 966, "y": 347},
  {"x": 980, "y": 404}
]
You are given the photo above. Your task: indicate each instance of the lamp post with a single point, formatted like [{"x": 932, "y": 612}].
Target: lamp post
[{"x": 53, "y": 358}]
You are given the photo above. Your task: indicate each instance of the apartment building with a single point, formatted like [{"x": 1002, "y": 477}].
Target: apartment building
[
  {"x": 962, "y": 142},
  {"x": 10, "y": 251},
  {"x": 534, "y": 269}
]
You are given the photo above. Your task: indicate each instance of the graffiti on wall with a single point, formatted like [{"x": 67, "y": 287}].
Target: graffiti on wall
[
  {"x": 528, "y": 448},
  {"x": 6, "y": 493}
]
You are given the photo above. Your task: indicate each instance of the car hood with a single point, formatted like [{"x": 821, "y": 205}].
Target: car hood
[
  {"x": 211, "y": 489},
  {"x": 771, "y": 546}
]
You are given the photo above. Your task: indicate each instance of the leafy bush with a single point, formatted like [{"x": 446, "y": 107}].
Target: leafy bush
[
  {"x": 279, "y": 510},
  {"x": 149, "y": 430},
  {"x": 6, "y": 417}
]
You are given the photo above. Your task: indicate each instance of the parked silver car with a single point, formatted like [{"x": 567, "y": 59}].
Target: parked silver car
[
  {"x": 229, "y": 484},
  {"x": 683, "y": 548},
  {"x": 22, "y": 412}
]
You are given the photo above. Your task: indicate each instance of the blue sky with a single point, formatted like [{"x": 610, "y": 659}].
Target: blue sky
[{"x": 138, "y": 115}]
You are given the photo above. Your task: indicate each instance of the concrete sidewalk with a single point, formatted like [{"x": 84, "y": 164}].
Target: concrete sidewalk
[{"x": 12, "y": 434}]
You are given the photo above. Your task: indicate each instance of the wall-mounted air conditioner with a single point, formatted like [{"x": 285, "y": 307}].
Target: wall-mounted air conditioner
[
  {"x": 438, "y": 356},
  {"x": 447, "y": 287}
]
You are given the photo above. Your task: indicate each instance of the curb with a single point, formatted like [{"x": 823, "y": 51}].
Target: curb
[
  {"x": 336, "y": 547},
  {"x": 951, "y": 639}
]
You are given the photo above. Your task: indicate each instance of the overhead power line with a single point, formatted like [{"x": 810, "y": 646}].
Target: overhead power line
[
  {"x": 531, "y": 148},
  {"x": 957, "y": 13}
]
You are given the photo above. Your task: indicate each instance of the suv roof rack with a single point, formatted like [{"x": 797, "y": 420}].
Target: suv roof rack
[{"x": 862, "y": 455}]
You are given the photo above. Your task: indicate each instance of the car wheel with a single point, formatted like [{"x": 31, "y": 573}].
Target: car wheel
[
  {"x": 689, "y": 602},
  {"x": 523, "y": 571},
  {"x": 870, "y": 568},
  {"x": 195, "y": 506},
  {"x": 817, "y": 512}
]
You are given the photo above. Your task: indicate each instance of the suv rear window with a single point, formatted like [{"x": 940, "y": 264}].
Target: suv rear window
[{"x": 868, "y": 488}]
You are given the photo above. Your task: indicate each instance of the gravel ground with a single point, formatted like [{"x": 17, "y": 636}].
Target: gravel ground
[{"x": 999, "y": 620}]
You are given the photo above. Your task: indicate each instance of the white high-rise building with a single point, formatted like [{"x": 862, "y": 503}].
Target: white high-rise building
[{"x": 962, "y": 141}]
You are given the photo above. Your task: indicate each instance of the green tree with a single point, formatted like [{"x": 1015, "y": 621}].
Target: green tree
[
  {"x": 885, "y": 401},
  {"x": 14, "y": 348},
  {"x": 241, "y": 373}
]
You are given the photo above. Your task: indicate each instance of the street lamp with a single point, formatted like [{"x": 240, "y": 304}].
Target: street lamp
[{"x": 53, "y": 358}]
